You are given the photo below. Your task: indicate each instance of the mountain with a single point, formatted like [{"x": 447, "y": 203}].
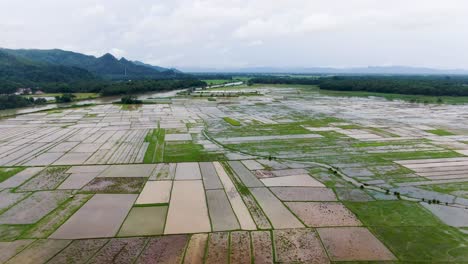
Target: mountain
[
  {"x": 106, "y": 66},
  {"x": 378, "y": 70},
  {"x": 18, "y": 72},
  {"x": 158, "y": 68}
]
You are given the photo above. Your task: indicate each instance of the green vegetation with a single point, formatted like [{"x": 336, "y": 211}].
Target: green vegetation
[
  {"x": 142, "y": 86},
  {"x": 411, "y": 232},
  {"x": 18, "y": 72},
  {"x": 241, "y": 188},
  {"x": 440, "y": 132},
  {"x": 419, "y": 85},
  {"x": 259, "y": 129},
  {"x": 217, "y": 81},
  {"x": 458, "y": 189},
  {"x": 392, "y": 213},
  {"x": 12, "y": 232},
  {"x": 106, "y": 66},
  {"x": 155, "y": 150},
  {"x": 284, "y": 80},
  {"x": 404, "y": 97},
  {"x": 65, "y": 98},
  {"x": 47, "y": 225},
  {"x": 425, "y": 244},
  {"x": 130, "y": 107},
  {"x": 16, "y": 101},
  {"x": 6, "y": 173},
  {"x": 231, "y": 121},
  {"x": 188, "y": 151},
  {"x": 57, "y": 71},
  {"x": 414, "y": 89},
  {"x": 130, "y": 99},
  {"x": 78, "y": 96}
]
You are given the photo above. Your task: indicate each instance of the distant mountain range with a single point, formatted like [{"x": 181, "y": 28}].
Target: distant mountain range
[
  {"x": 107, "y": 66},
  {"x": 16, "y": 72},
  {"x": 404, "y": 70}
]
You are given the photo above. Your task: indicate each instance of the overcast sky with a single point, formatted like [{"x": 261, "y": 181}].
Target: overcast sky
[{"x": 240, "y": 33}]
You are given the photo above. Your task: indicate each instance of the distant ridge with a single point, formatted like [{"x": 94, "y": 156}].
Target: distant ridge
[
  {"x": 16, "y": 72},
  {"x": 381, "y": 70},
  {"x": 106, "y": 66}
]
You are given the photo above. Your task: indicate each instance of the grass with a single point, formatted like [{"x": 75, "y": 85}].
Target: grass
[
  {"x": 392, "y": 213},
  {"x": 411, "y": 232},
  {"x": 458, "y": 189},
  {"x": 188, "y": 151},
  {"x": 259, "y": 129},
  {"x": 6, "y": 173},
  {"x": 231, "y": 121},
  {"x": 241, "y": 188},
  {"x": 154, "y": 152},
  {"x": 425, "y": 244},
  {"x": 440, "y": 132},
  {"x": 12, "y": 232},
  {"x": 130, "y": 107},
  {"x": 54, "y": 111}
]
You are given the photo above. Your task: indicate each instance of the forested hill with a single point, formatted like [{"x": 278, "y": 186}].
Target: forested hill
[
  {"x": 17, "y": 72},
  {"x": 435, "y": 85},
  {"x": 107, "y": 66}
]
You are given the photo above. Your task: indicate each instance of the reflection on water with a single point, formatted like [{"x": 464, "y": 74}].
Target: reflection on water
[
  {"x": 101, "y": 100},
  {"x": 159, "y": 94}
]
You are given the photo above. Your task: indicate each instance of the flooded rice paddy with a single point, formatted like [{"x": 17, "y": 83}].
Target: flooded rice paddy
[{"x": 175, "y": 182}]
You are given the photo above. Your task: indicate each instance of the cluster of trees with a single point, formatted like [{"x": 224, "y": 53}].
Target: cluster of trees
[
  {"x": 213, "y": 76},
  {"x": 284, "y": 80},
  {"x": 15, "y": 101},
  {"x": 114, "y": 87},
  {"x": 130, "y": 99},
  {"x": 65, "y": 98},
  {"x": 412, "y": 85},
  {"x": 433, "y": 86},
  {"x": 142, "y": 86}
]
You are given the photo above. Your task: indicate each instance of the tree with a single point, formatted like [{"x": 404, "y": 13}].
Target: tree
[
  {"x": 65, "y": 98},
  {"x": 130, "y": 99}
]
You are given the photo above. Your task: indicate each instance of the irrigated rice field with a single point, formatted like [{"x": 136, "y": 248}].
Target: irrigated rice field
[{"x": 287, "y": 176}]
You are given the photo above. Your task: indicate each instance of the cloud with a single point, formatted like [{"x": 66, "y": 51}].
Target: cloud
[
  {"x": 219, "y": 32},
  {"x": 94, "y": 10},
  {"x": 118, "y": 53}
]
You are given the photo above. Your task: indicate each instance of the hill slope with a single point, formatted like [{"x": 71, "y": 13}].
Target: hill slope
[
  {"x": 106, "y": 66},
  {"x": 18, "y": 72}
]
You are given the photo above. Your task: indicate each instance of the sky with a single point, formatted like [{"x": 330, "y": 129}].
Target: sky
[{"x": 246, "y": 33}]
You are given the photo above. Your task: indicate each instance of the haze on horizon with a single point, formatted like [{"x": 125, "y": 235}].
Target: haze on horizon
[{"x": 241, "y": 33}]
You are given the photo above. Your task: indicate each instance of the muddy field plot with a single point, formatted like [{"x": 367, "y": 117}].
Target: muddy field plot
[
  {"x": 298, "y": 245},
  {"x": 304, "y": 194},
  {"x": 48, "y": 179},
  {"x": 114, "y": 185},
  {"x": 33, "y": 208},
  {"x": 353, "y": 243},
  {"x": 120, "y": 250},
  {"x": 315, "y": 214}
]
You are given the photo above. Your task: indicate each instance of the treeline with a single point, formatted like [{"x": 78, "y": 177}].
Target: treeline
[
  {"x": 213, "y": 76},
  {"x": 441, "y": 86},
  {"x": 412, "y": 85},
  {"x": 16, "y": 101},
  {"x": 284, "y": 80},
  {"x": 142, "y": 86},
  {"x": 115, "y": 88}
]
